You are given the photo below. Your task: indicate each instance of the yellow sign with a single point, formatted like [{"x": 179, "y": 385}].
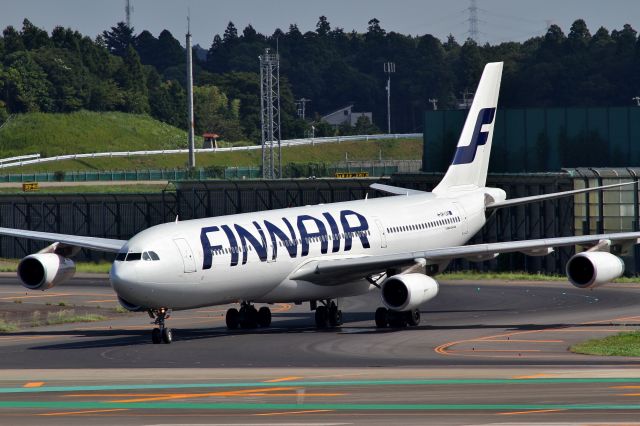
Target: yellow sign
[
  {"x": 30, "y": 186},
  {"x": 353, "y": 175}
]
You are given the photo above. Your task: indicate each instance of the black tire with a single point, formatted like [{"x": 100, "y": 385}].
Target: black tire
[
  {"x": 264, "y": 317},
  {"x": 413, "y": 317},
  {"x": 335, "y": 317},
  {"x": 322, "y": 317},
  {"x": 248, "y": 317},
  {"x": 167, "y": 336},
  {"x": 232, "y": 319},
  {"x": 156, "y": 336},
  {"x": 397, "y": 319},
  {"x": 382, "y": 318}
]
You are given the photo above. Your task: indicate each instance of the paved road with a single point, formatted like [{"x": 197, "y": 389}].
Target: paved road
[{"x": 485, "y": 353}]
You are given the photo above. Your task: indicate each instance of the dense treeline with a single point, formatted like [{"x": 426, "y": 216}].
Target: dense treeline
[{"x": 139, "y": 73}]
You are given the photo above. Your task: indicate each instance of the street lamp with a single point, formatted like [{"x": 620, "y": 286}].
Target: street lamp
[{"x": 389, "y": 68}]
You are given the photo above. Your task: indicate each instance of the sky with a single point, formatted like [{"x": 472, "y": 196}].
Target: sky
[{"x": 498, "y": 20}]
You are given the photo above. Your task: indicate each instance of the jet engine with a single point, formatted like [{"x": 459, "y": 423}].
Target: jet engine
[
  {"x": 408, "y": 291},
  {"x": 592, "y": 269},
  {"x": 41, "y": 271}
]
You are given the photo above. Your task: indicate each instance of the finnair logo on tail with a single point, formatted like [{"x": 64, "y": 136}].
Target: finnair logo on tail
[{"x": 466, "y": 154}]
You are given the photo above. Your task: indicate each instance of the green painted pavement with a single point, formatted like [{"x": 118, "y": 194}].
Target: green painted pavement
[
  {"x": 416, "y": 382},
  {"x": 336, "y": 407}
]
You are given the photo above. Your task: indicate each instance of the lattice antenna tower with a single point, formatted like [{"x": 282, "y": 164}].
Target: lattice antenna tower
[
  {"x": 128, "y": 10},
  {"x": 473, "y": 20},
  {"x": 270, "y": 114}
]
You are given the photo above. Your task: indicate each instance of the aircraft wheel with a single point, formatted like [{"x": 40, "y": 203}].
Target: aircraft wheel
[
  {"x": 264, "y": 317},
  {"x": 382, "y": 317},
  {"x": 156, "y": 336},
  {"x": 396, "y": 319},
  {"x": 335, "y": 317},
  {"x": 413, "y": 317},
  {"x": 232, "y": 319},
  {"x": 248, "y": 317},
  {"x": 322, "y": 317},
  {"x": 167, "y": 336}
]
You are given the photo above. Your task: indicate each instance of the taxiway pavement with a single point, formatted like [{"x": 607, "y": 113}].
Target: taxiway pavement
[{"x": 491, "y": 352}]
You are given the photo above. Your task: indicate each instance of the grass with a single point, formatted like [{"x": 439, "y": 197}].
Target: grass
[
  {"x": 7, "y": 327},
  {"x": 64, "y": 316},
  {"x": 10, "y": 265},
  {"x": 68, "y": 316},
  {"x": 330, "y": 153},
  {"x": 516, "y": 276},
  {"x": 85, "y": 131},
  {"x": 89, "y": 189},
  {"x": 120, "y": 310},
  {"x": 622, "y": 344}
]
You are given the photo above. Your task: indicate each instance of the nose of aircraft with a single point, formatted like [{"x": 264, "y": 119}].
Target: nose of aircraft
[{"x": 123, "y": 277}]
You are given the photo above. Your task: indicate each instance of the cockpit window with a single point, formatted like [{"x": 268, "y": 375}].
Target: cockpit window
[
  {"x": 153, "y": 255},
  {"x": 145, "y": 256},
  {"x": 121, "y": 256},
  {"x": 133, "y": 256}
]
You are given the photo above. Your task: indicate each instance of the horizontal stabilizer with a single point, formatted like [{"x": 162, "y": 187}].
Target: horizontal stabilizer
[
  {"x": 396, "y": 190},
  {"x": 552, "y": 196}
]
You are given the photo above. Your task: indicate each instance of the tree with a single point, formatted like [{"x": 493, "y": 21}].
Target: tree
[
  {"x": 214, "y": 112},
  {"x": 119, "y": 39},
  {"x": 33, "y": 37},
  {"x": 322, "y": 27},
  {"x": 25, "y": 84}
]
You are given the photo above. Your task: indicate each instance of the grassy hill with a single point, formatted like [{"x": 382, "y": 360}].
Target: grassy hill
[
  {"x": 85, "y": 131},
  {"x": 82, "y": 132}
]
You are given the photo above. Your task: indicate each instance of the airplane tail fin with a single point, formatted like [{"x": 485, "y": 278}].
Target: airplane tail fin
[{"x": 470, "y": 163}]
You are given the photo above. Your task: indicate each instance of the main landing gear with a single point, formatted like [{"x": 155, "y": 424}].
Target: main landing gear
[
  {"x": 327, "y": 314},
  {"x": 394, "y": 319},
  {"x": 248, "y": 317},
  {"x": 160, "y": 334}
]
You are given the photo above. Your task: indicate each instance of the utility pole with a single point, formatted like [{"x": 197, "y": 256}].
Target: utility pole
[
  {"x": 389, "y": 68},
  {"x": 270, "y": 115},
  {"x": 302, "y": 104},
  {"x": 192, "y": 152},
  {"x": 637, "y": 99},
  {"x": 434, "y": 102},
  {"x": 128, "y": 9}
]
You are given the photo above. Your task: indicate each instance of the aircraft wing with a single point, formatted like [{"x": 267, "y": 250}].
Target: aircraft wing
[
  {"x": 93, "y": 243},
  {"x": 321, "y": 271}
]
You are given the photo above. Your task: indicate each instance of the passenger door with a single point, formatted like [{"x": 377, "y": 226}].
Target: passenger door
[{"x": 187, "y": 255}]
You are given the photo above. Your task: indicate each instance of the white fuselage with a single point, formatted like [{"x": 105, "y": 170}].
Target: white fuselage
[{"x": 251, "y": 256}]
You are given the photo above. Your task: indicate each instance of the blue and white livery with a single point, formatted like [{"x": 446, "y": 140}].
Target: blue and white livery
[{"x": 320, "y": 254}]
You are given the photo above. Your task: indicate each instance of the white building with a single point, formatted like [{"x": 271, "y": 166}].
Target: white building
[{"x": 345, "y": 115}]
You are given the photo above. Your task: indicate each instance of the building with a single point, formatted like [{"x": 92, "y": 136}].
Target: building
[{"x": 345, "y": 115}]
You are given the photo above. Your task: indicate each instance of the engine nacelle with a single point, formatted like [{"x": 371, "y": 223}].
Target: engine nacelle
[
  {"x": 42, "y": 271},
  {"x": 408, "y": 291},
  {"x": 591, "y": 269}
]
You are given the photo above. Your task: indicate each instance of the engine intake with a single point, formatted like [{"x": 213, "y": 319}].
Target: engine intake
[
  {"x": 41, "y": 271},
  {"x": 407, "y": 292},
  {"x": 592, "y": 269}
]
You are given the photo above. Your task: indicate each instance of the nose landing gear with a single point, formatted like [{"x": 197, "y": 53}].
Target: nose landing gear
[{"x": 161, "y": 334}]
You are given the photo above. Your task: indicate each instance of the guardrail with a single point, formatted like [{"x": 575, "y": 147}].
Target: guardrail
[
  {"x": 19, "y": 158},
  {"x": 284, "y": 143}
]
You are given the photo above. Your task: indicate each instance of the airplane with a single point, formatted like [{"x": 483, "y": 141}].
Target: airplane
[{"x": 323, "y": 253}]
